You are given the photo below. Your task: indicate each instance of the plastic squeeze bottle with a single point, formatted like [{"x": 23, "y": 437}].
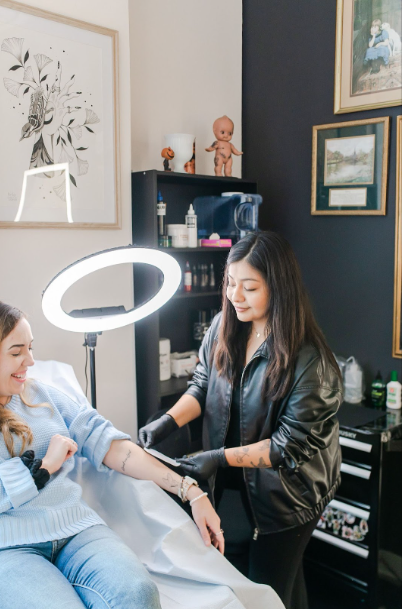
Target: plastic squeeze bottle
[
  {"x": 161, "y": 214},
  {"x": 191, "y": 223},
  {"x": 394, "y": 388},
  {"x": 378, "y": 391}
]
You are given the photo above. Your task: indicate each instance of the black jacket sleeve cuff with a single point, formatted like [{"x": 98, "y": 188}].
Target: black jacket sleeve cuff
[
  {"x": 198, "y": 394},
  {"x": 275, "y": 456}
]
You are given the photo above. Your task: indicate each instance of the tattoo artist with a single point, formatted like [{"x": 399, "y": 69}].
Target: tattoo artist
[{"x": 268, "y": 388}]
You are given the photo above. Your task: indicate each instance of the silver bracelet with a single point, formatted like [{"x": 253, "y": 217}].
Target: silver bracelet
[
  {"x": 185, "y": 484},
  {"x": 198, "y": 497}
]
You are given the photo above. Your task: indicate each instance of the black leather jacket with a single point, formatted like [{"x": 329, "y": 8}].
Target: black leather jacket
[{"x": 302, "y": 427}]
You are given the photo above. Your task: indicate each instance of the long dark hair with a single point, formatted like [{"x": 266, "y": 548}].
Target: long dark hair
[{"x": 290, "y": 320}]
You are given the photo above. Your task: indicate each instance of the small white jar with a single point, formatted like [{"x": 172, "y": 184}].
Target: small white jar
[{"x": 179, "y": 234}]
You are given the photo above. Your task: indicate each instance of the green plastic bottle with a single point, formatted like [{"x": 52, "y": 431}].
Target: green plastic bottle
[{"x": 378, "y": 392}]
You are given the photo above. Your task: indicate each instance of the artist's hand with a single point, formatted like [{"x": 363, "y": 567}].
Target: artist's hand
[
  {"x": 156, "y": 431},
  {"x": 207, "y": 520},
  {"x": 59, "y": 450},
  {"x": 204, "y": 465}
]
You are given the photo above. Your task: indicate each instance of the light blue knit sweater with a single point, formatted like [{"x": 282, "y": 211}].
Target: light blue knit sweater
[{"x": 57, "y": 511}]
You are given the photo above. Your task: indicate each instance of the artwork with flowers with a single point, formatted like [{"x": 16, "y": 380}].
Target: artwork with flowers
[{"x": 58, "y": 103}]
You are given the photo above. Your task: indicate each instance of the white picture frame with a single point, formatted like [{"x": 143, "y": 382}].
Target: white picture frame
[{"x": 59, "y": 104}]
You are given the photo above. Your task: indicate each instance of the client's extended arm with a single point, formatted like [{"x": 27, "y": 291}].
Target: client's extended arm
[{"x": 126, "y": 457}]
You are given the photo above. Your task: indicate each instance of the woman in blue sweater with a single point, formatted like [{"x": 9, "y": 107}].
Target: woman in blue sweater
[{"x": 55, "y": 551}]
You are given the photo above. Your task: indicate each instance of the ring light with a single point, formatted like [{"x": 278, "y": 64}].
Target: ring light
[{"x": 54, "y": 292}]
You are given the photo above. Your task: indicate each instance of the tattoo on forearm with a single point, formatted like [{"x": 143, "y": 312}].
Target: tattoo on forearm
[
  {"x": 261, "y": 463},
  {"x": 264, "y": 445},
  {"x": 240, "y": 454},
  {"x": 170, "y": 481},
  {"x": 123, "y": 467}
]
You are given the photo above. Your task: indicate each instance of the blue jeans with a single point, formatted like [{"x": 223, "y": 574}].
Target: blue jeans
[{"x": 92, "y": 569}]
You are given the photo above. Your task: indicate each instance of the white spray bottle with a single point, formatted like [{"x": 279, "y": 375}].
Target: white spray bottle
[{"x": 191, "y": 223}]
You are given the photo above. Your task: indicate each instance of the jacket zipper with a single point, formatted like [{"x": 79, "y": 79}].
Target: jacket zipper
[{"x": 256, "y": 531}]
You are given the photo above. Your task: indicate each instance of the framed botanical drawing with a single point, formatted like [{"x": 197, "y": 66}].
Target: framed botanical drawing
[
  {"x": 368, "y": 58},
  {"x": 349, "y": 168},
  {"x": 397, "y": 338},
  {"x": 59, "y": 163}
]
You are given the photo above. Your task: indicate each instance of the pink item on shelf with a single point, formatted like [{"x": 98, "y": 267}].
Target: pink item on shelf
[{"x": 216, "y": 243}]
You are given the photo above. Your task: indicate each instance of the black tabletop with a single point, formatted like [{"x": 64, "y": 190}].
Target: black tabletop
[{"x": 359, "y": 416}]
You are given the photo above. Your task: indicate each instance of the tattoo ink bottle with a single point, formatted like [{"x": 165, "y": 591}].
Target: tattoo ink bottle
[
  {"x": 195, "y": 278},
  {"x": 187, "y": 278},
  {"x": 161, "y": 215},
  {"x": 211, "y": 277}
]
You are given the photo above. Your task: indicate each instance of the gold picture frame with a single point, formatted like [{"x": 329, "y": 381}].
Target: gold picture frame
[
  {"x": 397, "y": 333},
  {"x": 349, "y": 192},
  {"x": 364, "y": 81},
  {"x": 47, "y": 59}
]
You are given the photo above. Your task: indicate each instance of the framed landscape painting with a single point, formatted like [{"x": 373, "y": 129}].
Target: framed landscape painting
[
  {"x": 59, "y": 163},
  {"x": 397, "y": 337},
  {"x": 368, "y": 56},
  {"x": 349, "y": 168}
]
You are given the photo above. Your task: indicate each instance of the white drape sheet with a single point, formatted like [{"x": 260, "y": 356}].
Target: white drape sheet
[{"x": 188, "y": 574}]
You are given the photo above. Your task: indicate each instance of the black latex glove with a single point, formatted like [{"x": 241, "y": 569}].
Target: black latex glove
[
  {"x": 204, "y": 465},
  {"x": 156, "y": 431}
]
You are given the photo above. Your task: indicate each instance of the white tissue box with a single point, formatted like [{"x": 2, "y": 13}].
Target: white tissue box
[{"x": 183, "y": 364}]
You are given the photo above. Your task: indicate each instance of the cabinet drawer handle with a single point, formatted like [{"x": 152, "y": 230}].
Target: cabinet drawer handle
[
  {"x": 363, "y": 446},
  {"x": 349, "y": 509},
  {"x": 355, "y": 471},
  {"x": 340, "y": 543}
]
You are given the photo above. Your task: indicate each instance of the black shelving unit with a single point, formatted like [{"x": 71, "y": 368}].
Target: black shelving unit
[{"x": 175, "y": 320}]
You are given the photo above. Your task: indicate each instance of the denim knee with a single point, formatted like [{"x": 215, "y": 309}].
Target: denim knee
[{"x": 140, "y": 593}]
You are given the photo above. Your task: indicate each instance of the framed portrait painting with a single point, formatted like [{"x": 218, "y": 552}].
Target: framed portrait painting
[
  {"x": 397, "y": 334},
  {"x": 59, "y": 162},
  {"x": 349, "y": 168},
  {"x": 368, "y": 57}
]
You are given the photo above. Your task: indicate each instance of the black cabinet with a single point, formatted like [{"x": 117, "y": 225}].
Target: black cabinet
[
  {"x": 356, "y": 550},
  {"x": 174, "y": 320}
]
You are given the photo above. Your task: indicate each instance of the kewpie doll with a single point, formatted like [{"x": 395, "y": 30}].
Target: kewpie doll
[{"x": 223, "y": 131}]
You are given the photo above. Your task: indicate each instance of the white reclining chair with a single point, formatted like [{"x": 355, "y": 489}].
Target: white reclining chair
[{"x": 188, "y": 574}]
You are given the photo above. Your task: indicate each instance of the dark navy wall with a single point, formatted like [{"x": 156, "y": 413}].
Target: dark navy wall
[{"x": 347, "y": 262}]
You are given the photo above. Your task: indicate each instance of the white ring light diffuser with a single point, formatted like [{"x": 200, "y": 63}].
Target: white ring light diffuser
[{"x": 51, "y": 299}]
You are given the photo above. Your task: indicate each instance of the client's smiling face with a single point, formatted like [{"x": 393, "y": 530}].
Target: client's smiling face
[{"x": 15, "y": 358}]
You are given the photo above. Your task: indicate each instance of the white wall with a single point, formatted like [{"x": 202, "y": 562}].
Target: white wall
[
  {"x": 186, "y": 71},
  {"x": 31, "y": 258}
]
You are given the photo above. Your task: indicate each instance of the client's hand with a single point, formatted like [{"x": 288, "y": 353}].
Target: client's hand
[
  {"x": 204, "y": 465},
  {"x": 156, "y": 431},
  {"x": 59, "y": 450},
  {"x": 207, "y": 520}
]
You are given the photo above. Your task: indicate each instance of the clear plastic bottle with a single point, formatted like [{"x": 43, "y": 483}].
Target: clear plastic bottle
[{"x": 353, "y": 381}]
